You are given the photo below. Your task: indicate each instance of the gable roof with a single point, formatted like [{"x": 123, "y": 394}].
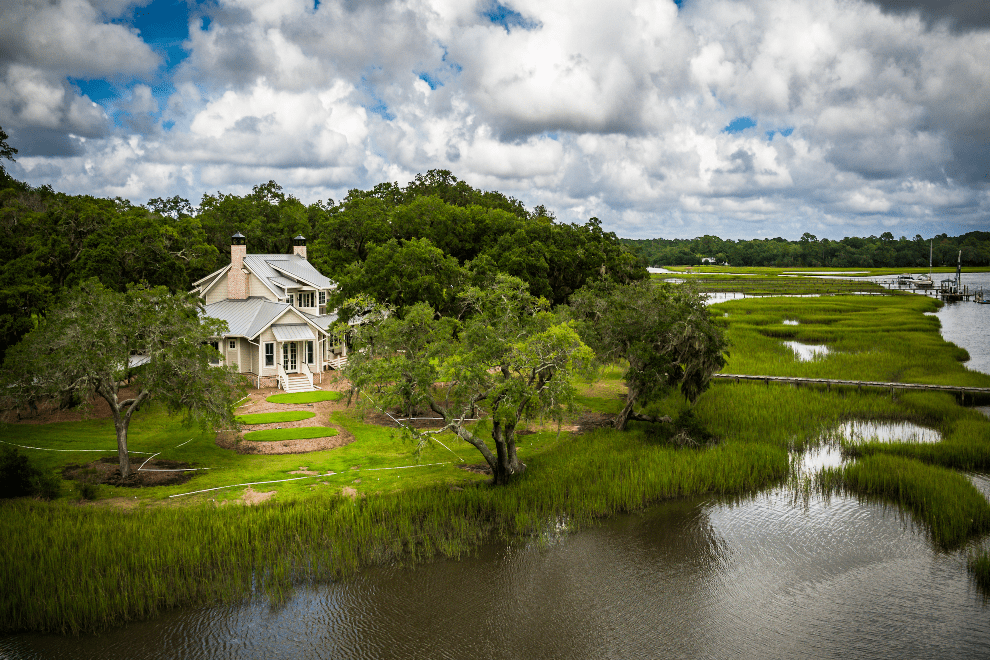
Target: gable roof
[
  {"x": 272, "y": 269},
  {"x": 249, "y": 317}
]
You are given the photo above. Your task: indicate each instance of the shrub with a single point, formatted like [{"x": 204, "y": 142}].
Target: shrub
[
  {"x": 19, "y": 478},
  {"x": 16, "y": 473}
]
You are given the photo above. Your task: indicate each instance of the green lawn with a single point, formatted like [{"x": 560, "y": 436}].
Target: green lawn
[
  {"x": 304, "y": 397},
  {"x": 275, "y": 417},
  {"x": 295, "y": 433}
]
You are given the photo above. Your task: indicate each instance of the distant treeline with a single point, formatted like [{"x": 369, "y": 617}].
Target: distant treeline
[
  {"x": 873, "y": 252},
  {"x": 400, "y": 244}
]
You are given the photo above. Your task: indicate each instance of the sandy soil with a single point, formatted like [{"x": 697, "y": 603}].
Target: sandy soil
[{"x": 257, "y": 404}]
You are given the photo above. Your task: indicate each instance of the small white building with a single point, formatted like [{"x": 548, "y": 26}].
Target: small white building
[{"x": 275, "y": 306}]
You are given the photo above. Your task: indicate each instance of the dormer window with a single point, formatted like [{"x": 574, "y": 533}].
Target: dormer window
[
  {"x": 306, "y": 300},
  {"x": 290, "y": 299}
]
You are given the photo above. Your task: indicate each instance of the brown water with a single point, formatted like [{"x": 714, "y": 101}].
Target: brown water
[{"x": 765, "y": 577}]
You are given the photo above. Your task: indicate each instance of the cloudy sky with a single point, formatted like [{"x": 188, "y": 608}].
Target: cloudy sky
[{"x": 742, "y": 119}]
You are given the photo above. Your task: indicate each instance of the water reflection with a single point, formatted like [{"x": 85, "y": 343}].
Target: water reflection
[
  {"x": 807, "y": 352},
  {"x": 757, "y": 577},
  {"x": 864, "y": 431}
]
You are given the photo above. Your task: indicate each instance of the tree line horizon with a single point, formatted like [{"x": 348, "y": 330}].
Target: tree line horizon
[
  {"x": 882, "y": 251},
  {"x": 422, "y": 242}
]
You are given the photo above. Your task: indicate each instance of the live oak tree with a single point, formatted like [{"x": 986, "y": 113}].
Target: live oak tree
[
  {"x": 84, "y": 345},
  {"x": 506, "y": 358},
  {"x": 664, "y": 332}
]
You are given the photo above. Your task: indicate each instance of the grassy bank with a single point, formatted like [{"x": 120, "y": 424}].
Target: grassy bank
[
  {"x": 133, "y": 564},
  {"x": 78, "y": 567},
  {"x": 942, "y": 500}
]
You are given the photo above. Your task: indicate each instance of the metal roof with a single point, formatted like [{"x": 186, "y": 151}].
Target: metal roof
[
  {"x": 292, "y": 331},
  {"x": 216, "y": 273},
  {"x": 267, "y": 266},
  {"x": 324, "y": 321},
  {"x": 296, "y": 267},
  {"x": 248, "y": 318},
  {"x": 283, "y": 282},
  {"x": 245, "y": 318}
]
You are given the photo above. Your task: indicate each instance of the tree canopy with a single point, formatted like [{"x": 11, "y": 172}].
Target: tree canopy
[
  {"x": 664, "y": 332},
  {"x": 508, "y": 358},
  {"x": 86, "y": 343}
]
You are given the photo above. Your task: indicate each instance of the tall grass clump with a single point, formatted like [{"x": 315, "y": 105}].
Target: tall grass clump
[
  {"x": 978, "y": 566},
  {"x": 75, "y": 569},
  {"x": 943, "y": 500}
]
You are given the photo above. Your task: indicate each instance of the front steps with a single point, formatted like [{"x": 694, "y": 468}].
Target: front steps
[{"x": 298, "y": 383}]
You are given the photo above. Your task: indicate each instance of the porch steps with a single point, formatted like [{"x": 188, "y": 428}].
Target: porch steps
[{"x": 298, "y": 383}]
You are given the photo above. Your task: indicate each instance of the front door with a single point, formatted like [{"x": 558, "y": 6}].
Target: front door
[{"x": 289, "y": 357}]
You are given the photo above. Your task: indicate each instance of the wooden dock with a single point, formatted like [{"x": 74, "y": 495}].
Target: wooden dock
[{"x": 829, "y": 382}]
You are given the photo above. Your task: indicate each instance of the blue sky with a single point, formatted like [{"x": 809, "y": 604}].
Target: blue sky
[{"x": 744, "y": 119}]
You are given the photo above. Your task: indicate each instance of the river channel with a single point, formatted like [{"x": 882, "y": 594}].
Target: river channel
[{"x": 767, "y": 576}]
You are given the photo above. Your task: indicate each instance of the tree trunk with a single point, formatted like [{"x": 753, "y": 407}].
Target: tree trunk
[
  {"x": 623, "y": 417},
  {"x": 507, "y": 461},
  {"x": 120, "y": 424}
]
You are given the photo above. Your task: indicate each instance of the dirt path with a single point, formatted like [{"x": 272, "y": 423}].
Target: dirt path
[{"x": 323, "y": 410}]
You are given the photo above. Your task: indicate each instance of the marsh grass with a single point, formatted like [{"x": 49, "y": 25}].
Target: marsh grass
[
  {"x": 944, "y": 501},
  {"x": 978, "y": 566},
  {"x": 83, "y": 568},
  {"x": 275, "y": 417}
]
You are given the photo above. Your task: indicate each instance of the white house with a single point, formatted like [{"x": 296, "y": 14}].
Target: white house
[{"x": 275, "y": 308}]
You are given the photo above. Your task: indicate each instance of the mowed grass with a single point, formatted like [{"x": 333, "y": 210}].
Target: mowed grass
[
  {"x": 275, "y": 417},
  {"x": 295, "y": 433},
  {"x": 116, "y": 565},
  {"x": 304, "y": 397}
]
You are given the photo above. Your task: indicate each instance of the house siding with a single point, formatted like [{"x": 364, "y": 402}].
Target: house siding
[
  {"x": 264, "y": 337},
  {"x": 258, "y": 289},
  {"x": 218, "y": 292}
]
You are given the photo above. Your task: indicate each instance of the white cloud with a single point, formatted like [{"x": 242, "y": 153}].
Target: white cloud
[{"x": 608, "y": 109}]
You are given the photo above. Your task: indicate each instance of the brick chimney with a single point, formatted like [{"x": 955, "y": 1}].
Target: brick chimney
[
  {"x": 236, "y": 277},
  {"x": 299, "y": 246}
]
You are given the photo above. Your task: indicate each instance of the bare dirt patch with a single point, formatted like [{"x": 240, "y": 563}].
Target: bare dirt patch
[
  {"x": 156, "y": 472},
  {"x": 479, "y": 468},
  {"x": 252, "y": 497},
  {"x": 256, "y": 403},
  {"x": 591, "y": 421}
]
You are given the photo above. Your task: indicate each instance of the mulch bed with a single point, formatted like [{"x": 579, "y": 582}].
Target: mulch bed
[{"x": 107, "y": 471}]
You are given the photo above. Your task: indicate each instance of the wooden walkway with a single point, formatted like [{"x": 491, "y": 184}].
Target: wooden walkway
[{"x": 828, "y": 382}]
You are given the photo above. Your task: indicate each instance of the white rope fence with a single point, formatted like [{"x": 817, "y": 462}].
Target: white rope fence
[{"x": 309, "y": 476}]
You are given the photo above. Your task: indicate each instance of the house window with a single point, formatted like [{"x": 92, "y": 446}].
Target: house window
[
  {"x": 309, "y": 351},
  {"x": 270, "y": 354},
  {"x": 290, "y": 299},
  {"x": 215, "y": 359},
  {"x": 323, "y": 297},
  {"x": 233, "y": 344}
]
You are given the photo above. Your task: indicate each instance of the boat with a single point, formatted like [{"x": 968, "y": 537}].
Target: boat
[{"x": 922, "y": 281}]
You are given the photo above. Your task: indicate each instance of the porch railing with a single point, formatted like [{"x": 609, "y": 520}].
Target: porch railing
[
  {"x": 308, "y": 373},
  {"x": 283, "y": 378}
]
